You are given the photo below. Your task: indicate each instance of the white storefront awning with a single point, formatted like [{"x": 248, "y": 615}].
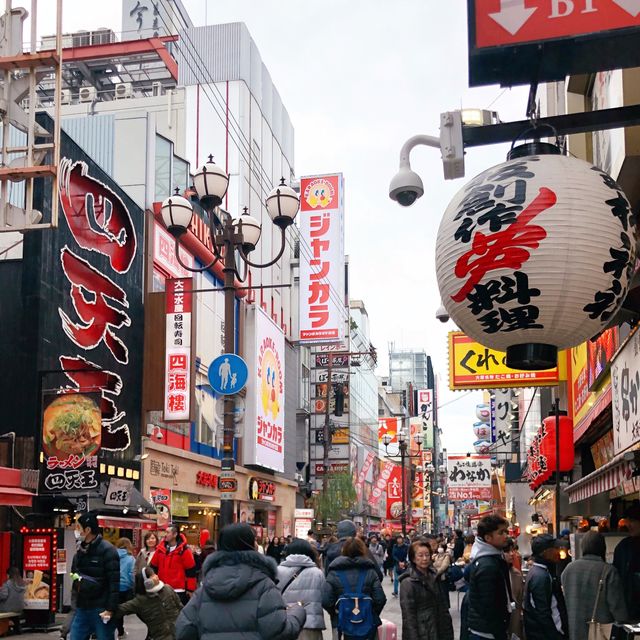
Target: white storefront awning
[{"x": 607, "y": 477}]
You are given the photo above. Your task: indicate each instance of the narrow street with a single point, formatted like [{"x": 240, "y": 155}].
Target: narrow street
[{"x": 136, "y": 630}]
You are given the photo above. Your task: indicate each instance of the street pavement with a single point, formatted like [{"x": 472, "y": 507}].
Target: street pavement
[{"x": 137, "y": 630}]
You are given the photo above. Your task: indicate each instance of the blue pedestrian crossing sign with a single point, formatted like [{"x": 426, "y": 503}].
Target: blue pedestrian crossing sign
[{"x": 228, "y": 374}]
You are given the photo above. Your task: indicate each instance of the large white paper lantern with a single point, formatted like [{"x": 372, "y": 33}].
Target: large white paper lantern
[{"x": 535, "y": 255}]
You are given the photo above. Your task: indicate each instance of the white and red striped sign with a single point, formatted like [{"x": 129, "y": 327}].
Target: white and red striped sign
[{"x": 363, "y": 473}]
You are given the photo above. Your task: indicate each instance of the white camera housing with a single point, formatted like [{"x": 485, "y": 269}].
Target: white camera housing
[
  {"x": 406, "y": 187},
  {"x": 442, "y": 315}
]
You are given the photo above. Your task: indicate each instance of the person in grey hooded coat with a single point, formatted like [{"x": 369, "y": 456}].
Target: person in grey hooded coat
[
  {"x": 238, "y": 597},
  {"x": 300, "y": 580}
]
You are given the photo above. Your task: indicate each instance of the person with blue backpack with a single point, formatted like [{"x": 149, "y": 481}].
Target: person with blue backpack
[{"x": 353, "y": 593}]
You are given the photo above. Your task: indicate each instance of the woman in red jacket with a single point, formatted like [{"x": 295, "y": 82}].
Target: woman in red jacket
[{"x": 174, "y": 564}]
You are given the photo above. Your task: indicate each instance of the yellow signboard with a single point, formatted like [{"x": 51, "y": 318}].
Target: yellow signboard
[
  {"x": 579, "y": 383},
  {"x": 473, "y": 366}
]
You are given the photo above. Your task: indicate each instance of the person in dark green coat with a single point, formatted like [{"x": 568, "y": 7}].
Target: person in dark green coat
[{"x": 155, "y": 603}]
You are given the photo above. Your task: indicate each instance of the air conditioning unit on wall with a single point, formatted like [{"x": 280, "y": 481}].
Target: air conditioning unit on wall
[
  {"x": 87, "y": 94},
  {"x": 123, "y": 90},
  {"x": 65, "y": 96}
]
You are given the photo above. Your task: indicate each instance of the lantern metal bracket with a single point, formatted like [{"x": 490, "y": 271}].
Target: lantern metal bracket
[{"x": 568, "y": 124}]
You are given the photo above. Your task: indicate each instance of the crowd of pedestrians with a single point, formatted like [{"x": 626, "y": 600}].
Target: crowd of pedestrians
[{"x": 244, "y": 588}]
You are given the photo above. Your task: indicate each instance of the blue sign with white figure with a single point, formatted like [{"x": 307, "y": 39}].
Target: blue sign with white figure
[{"x": 228, "y": 374}]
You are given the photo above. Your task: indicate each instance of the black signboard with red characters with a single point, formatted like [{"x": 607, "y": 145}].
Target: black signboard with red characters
[{"x": 83, "y": 305}]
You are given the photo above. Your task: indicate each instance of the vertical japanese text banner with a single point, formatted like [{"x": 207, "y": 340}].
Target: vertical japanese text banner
[
  {"x": 425, "y": 410},
  {"x": 177, "y": 376},
  {"x": 469, "y": 477},
  {"x": 394, "y": 493},
  {"x": 322, "y": 259}
]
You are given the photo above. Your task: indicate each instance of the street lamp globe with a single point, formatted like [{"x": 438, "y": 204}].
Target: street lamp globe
[
  {"x": 386, "y": 439},
  {"x": 430, "y": 468},
  {"x": 442, "y": 468},
  {"x": 250, "y": 229},
  {"x": 418, "y": 439},
  {"x": 176, "y": 214},
  {"x": 283, "y": 204},
  {"x": 211, "y": 183},
  {"x": 402, "y": 436}
]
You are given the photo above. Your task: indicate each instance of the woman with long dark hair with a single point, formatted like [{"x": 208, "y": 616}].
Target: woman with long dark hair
[
  {"x": 275, "y": 549},
  {"x": 425, "y": 615}
]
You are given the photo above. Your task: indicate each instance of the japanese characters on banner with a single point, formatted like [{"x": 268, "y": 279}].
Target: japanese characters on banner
[
  {"x": 71, "y": 439},
  {"x": 322, "y": 259},
  {"x": 394, "y": 493},
  {"x": 425, "y": 411},
  {"x": 625, "y": 382},
  {"x": 469, "y": 477},
  {"x": 501, "y": 426},
  {"x": 39, "y": 559},
  {"x": 89, "y": 277},
  {"x": 264, "y": 418},
  {"x": 380, "y": 486},
  {"x": 389, "y": 426},
  {"x": 363, "y": 473},
  {"x": 177, "y": 376},
  {"x": 472, "y": 366},
  {"x": 510, "y": 231},
  {"x": 161, "y": 500}
]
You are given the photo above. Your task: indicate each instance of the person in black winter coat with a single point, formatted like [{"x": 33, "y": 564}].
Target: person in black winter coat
[
  {"x": 489, "y": 595},
  {"x": 238, "y": 597},
  {"x": 345, "y": 530},
  {"x": 458, "y": 545},
  {"x": 425, "y": 613},
  {"x": 95, "y": 571},
  {"x": 354, "y": 560},
  {"x": 275, "y": 549},
  {"x": 545, "y": 613}
]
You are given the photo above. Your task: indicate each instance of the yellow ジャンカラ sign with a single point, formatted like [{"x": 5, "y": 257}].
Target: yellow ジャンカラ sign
[{"x": 473, "y": 366}]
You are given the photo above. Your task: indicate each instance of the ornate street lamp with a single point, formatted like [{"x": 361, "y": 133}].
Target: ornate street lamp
[{"x": 229, "y": 237}]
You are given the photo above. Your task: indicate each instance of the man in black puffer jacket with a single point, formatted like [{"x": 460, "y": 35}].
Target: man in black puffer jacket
[
  {"x": 95, "y": 571},
  {"x": 489, "y": 595},
  {"x": 238, "y": 597}
]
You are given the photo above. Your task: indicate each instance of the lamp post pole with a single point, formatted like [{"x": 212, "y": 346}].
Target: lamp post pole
[
  {"x": 403, "y": 515},
  {"x": 403, "y": 445},
  {"x": 228, "y": 428},
  {"x": 228, "y": 236}
]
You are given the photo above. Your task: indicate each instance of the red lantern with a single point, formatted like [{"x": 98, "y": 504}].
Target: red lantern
[{"x": 548, "y": 444}]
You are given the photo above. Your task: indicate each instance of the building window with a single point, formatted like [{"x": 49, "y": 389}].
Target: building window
[
  {"x": 163, "y": 158},
  {"x": 180, "y": 173}
]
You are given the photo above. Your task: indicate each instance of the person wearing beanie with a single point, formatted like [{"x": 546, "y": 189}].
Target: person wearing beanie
[
  {"x": 346, "y": 529},
  {"x": 545, "y": 612},
  {"x": 300, "y": 580},
  {"x": 238, "y": 597},
  {"x": 155, "y": 603}
]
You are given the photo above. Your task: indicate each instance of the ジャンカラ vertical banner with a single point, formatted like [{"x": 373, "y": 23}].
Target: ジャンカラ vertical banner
[
  {"x": 177, "y": 375},
  {"x": 322, "y": 309},
  {"x": 263, "y": 443}
]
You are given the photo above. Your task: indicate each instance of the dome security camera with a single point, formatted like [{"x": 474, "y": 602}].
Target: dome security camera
[
  {"x": 442, "y": 315},
  {"x": 406, "y": 187}
]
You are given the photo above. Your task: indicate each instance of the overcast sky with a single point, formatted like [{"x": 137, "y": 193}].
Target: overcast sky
[{"x": 359, "y": 77}]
